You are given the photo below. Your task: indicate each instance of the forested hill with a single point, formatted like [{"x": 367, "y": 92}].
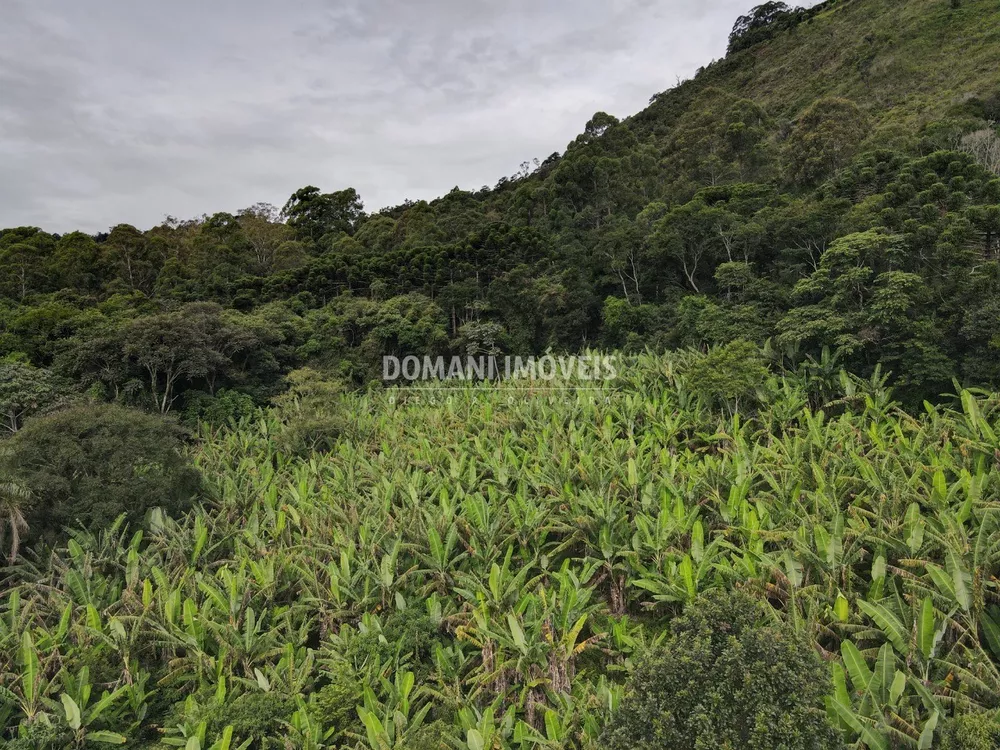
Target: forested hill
[{"x": 832, "y": 184}]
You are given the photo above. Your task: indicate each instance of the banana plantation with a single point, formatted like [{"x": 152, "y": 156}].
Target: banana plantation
[{"x": 484, "y": 568}]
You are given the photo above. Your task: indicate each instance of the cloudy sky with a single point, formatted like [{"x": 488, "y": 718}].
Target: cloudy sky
[{"x": 123, "y": 111}]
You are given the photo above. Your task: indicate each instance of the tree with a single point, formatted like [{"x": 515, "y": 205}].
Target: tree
[
  {"x": 728, "y": 374},
  {"x": 599, "y": 125},
  {"x": 89, "y": 464},
  {"x": 76, "y": 263},
  {"x": 25, "y": 390},
  {"x": 762, "y": 23},
  {"x": 168, "y": 347},
  {"x": 14, "y": 496},
  {"x": 984, "y": 145},
  {"x": 826, "y": 138},
  {"x": 132, "y": 258},
  {"x": 728, "y": 677},
  {"x": 862, "y": 305},
  {"x": 270, "y": 241},
  {"x": 693, "y": 235},
  {"x": 22, "y": 269},
  {"x": 313, "y": 214}
]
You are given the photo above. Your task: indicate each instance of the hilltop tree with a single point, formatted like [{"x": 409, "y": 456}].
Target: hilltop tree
[
  {"x": 760, "y": 24},
  {"x": 313, "y": 214},
  {"x": 132, "y": 258}
]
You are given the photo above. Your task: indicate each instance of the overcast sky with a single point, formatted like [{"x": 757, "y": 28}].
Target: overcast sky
[{"x": 126, "y": 111}]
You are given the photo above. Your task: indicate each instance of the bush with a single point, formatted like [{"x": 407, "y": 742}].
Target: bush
[
  {"x": 336, "y": 702},
  {"x": 259, "y": 717},
  {"x": 729, "y": 374},
  {"x": 970, "y": 732},
  {"x": 727, "y": 678},
  {"x": 223, "y": 408},
  {"x": 87, "y": 465},
  {"x": 312, "y": 413}
]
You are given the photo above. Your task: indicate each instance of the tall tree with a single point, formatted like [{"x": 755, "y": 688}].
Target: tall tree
[{"x": 314, "y": 215}]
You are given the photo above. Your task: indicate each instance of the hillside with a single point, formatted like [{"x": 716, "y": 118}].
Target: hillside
[{"x": 773, "y": 526}]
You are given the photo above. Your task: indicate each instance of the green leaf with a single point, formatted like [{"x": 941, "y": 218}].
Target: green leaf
[
  {"x": 687, "y": 575},
  {"x": 861, "y": 676},
  {"x": 925, "y": 628},
  {"x": 552, "y": 725},
  {"x": 885, "y": 670},
  {"x": 224, "y": 742},
  {"x": 845, "y": 714},
  {"x": 888, "y": 622},
  {"x": 72, "y": 711},
  {"x": 474, "y": 740},
  {"x": 29, "y": 662},
  {"x": 517, "y": 634},
  {"x": 961, "y": 580},
  {"x": 992, "y": 631},
  {"x": 840, "y": 685},
  {"x": 874, "y": 740},
  {"x": 841, "y": 608},
  {"x": 897, "y": 688},
  {"x": 262, "y": 682},
  {"x": 927, "y": 735}
]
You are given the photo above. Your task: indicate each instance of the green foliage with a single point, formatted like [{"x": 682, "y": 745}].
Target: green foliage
[
  {"x": 726, "y": 677},
  {"x": 226, "y": 406},
  {"x": 315, "y": 215},
  {"x": 970, "y": 732},
  {"x": 260, "y": 717},
  {"x": 492, "y": 568},
  {"x": 335, "y": 703},
  {"x": 761, "y": 24},
  {"x": 825, "y": 139},
  {"x": 396, "y": 569},
  {"x": 86, "y": 465},
  {"x": 313, "y": 418},
  {"x": 731, "y": 186},
  {"x": 26, "y": 390},
  {"x": 729, "y": 374}
]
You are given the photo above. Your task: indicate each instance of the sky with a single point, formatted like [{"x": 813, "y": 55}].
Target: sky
[{"x": 119, "y": 111}]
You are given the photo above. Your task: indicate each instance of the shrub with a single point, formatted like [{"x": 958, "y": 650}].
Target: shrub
[
  {"x": 223, "y": 408},
  {"x": 259, "y": 717},
  {"x": 336, "y": 702},
  {"x": 87, "y": 465},
  {"x": 727, "y": 678},
  {"x": 729, "y": 374},
  {"x": 312, "y": 413},
  {"x": 970, "y": 732}
]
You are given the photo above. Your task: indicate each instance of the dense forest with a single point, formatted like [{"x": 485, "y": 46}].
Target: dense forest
[{"x": 777, "y": 528}]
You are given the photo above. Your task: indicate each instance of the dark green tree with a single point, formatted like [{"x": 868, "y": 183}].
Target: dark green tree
[
  {"x": 88, "y": 464},
  {"x": 314, "y": 215},
  {"x": 728, "y": 677}
]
